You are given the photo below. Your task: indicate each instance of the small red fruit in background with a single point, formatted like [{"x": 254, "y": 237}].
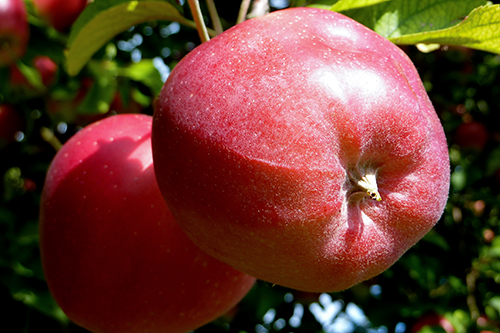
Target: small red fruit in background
[
  {"x": 46, "y": 67},
  {"x": 114, "y": 257},
  {"x": 11, "y": 122},
  {"x": 60, "y": 14},
  {"x": 301, "y": 148},
  {"x": 472, "y": 135},
  {"x": 432, "y": 320},
  {"x": 14, "y": 31}
]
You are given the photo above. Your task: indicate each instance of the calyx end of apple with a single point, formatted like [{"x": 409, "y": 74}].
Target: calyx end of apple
[{"x": 368, "y": 183}]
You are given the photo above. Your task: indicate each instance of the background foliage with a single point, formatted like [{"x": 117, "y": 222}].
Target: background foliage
[{"x": 453, "y": 273}]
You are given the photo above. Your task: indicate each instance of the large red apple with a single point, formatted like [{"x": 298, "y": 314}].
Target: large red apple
[
  {"x": 301, "y": 148},
  {"x": 60, "y": 13},
  {"x": 114, "y": 258},
  {"x": 14, "y": 31}
]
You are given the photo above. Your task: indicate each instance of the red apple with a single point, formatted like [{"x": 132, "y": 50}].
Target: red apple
[
  {"x": 11, "y": 122},
  {"x": 472, "y": 135},
  {"x": 432, "y": 320},
  {"x": 46, "y": 68},
  {"x": 60, "y": 13},
  {"x": 14, "y": 31},
  {"x": 301, "y": 148},
  {"x": 114, "y": 258}
]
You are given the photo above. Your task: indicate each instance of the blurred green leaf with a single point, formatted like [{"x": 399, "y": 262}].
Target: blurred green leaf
[
  {"x": 435, "y": 238},
  {"x": 144, "y": 71},
  {"x": 103, "y": 20},
  {"x": 495, "y": 303}
]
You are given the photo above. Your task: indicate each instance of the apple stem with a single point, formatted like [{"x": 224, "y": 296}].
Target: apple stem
[
  {"x": 214, "y": 16},
  {"x": 245, "y": 4},
  {"x": 369, "y": 183},
  {"x": 49, "y": 137},
  {"x": 194, "y": 5}
]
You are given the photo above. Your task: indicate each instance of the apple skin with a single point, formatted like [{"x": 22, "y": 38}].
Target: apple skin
[
  {"x": 14, "y": 31},
  {"x": 60, "y": 14},
  {"x": 261, "y": 137},
  {"x": 114, "y": 258}
]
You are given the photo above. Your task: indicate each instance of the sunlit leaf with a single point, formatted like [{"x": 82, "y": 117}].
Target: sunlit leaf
[
  {"x": 343, "y": 5},
  {"x": 340, "y": 5},
  {"x": 470, "y": 23},
  {"x": 479, "y": 31},
  {"x": 396, "y": 18},
  {"x": 103, "y": 20}
]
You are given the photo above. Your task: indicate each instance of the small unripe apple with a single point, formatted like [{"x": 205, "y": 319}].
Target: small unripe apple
[
  {"x": 60, "y": 13},
  {"x": 114, "y": 258},
  {"x": 301, "y": 148},
  {"x": 14, "y": 31}
]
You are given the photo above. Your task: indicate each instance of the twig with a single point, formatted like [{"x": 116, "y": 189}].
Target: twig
[
  {"x": 49, "y": 137},
  {"x": 471, "y": 279}
]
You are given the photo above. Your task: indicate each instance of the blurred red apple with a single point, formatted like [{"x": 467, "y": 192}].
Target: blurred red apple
[
  {"x": 14, "y": 31},
  {"x": 114, "y": 258},
  {"x": 472, "y": 135},
  {"x": 60, "y": 13},
  {"x": 433, "y": 320},
  {"x": 301, "y": 148},
  {"x": 46, "y": 68},
  {"x": 11, "y": 122}
]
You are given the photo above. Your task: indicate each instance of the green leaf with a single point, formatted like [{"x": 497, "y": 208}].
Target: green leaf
[
  {"x": 435, "y": 238},
  {"x": 479, "y": 31},
  {"x": 396, "y": 18},
  {"x": 338, "y": 5},
  {"x": 343, "y": 5},
  {"x": 470, "y": 23},
  {"x": 144, "y": 71},
  {"x": 103, "y": 20}
]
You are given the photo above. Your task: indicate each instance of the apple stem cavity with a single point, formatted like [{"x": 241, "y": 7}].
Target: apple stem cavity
[{"x": 368, "y": 183}]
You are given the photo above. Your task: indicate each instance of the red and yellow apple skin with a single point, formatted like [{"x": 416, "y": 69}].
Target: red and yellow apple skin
[
  {"x": 271, "y": 140},
  {"x": 114, "y": 258},
  {"x": 14, "y": 31}
]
